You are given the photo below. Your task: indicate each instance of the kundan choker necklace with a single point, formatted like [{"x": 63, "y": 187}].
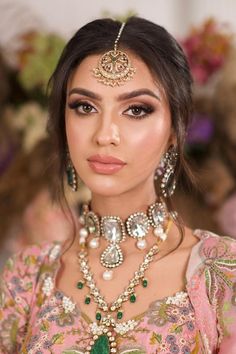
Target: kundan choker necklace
[
  {"x": 114, "y": 230},
  {"x": 108, "y": 322}
]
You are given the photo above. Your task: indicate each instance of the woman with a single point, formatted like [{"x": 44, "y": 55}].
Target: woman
[{"x": 133, "y": 279}]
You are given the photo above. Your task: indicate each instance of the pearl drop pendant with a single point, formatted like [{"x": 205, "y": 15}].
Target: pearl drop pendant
[
  {"x": 83, "y": 232},
  {"x": 94, "y": 243},
  {"x": 163, "y": 236},
  {"x": 141, "y": 244},
  {"x": 81, "y": 220},
  {"x": 107, "y": 275},
  {"x": 159, "y": 232}
]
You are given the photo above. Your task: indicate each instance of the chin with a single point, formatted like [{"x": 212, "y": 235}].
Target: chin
[
  {"x": 106, "y": 191},
  {"x": 104, "y": 186}
]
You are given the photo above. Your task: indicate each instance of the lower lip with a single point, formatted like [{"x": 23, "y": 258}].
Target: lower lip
[{"x": 105, "y": 168}]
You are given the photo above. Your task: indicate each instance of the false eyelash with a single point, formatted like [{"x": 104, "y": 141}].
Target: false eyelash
[
  {"x": 76, "y": 104},
  {"x": 145, "y": 108}
]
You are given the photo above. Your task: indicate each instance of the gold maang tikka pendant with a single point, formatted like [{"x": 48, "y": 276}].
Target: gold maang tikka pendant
[{"x": 114, "y": 68}]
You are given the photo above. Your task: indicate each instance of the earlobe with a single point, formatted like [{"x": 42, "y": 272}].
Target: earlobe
[{"x": 172, "y": 141}]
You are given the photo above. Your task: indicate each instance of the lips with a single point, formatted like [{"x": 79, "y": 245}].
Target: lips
[{"x": 105, "y": 164}]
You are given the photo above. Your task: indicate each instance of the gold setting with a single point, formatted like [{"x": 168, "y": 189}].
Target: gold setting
[{"x": 114, "y": 67}]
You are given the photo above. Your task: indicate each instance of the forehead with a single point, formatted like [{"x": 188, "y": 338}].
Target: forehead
[{"x": 83, "y": 77}]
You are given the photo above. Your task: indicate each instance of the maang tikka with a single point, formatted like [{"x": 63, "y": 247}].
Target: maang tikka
[{"x": 114, "y": 67}]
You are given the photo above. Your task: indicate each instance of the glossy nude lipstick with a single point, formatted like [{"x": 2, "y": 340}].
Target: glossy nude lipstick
[{"x": 106, "y": 165}]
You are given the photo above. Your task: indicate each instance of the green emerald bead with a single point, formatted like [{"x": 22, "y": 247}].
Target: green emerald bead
[
  {"x": 69, "y": 173},
  {"x": 119, "y": 315},
  {"x": 87, "y": 300},
  {"x": 98, "y": 316},
  {"x": 101, "y": 345},
  {"x": 145, "y": 283},
  {"x": 80, "y": 285},
  {"x": 132, "y": 298}
]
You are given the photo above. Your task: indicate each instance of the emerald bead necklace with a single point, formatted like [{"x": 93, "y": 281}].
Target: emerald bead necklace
[{"x": 108, "y": 316}]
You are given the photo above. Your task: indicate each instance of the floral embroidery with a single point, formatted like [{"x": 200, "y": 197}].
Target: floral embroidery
[
  {"x": 67, "y": 304},
  {"x": 219, "y": 263},
  {"x": 180, "y": 319},
  {"x": 219, "y": 270},
  {"x": 55, "y": 252},
  {"x": 178, "y": 298},
  {"x": 35, "y": 318},
  {"x": 47, "y": 286}
]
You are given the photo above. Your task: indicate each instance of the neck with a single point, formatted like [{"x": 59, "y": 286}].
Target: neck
[{"x": 123, "y": 205}]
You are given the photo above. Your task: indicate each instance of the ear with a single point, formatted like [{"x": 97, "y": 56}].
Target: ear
[{"x": 172, "y": 139}]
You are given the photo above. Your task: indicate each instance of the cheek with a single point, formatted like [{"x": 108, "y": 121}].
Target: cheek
[
  {"x": 149, "y": 144},
  {"x": 75, "y": 134}
]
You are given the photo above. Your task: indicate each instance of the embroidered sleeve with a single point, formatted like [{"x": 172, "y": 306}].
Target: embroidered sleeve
[
  {"x": 220, "y": 276},
  {"x": 16, "y": 291}
]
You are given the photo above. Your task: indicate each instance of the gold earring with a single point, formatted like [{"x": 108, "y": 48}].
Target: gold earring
[{"x": 71, "y": 174}]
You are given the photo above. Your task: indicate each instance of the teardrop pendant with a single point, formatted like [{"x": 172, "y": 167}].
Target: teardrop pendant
[
  {"x": 112, "y": 256},
  {"x": 101, "y": 345}
]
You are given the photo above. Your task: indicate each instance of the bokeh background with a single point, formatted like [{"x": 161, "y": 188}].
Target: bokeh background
[{"x": 32, "y": 35}]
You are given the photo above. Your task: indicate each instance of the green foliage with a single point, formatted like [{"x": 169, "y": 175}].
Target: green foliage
[
  {"x": 122, "y": 18},
  {"x": 40, "y": 61}
]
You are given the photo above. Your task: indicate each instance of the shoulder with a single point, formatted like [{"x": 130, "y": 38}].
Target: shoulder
[
  {"x": 212, "y": 246},
  {"x": 213, "y": 274},
  {"x": 29, "y": 257},
  {"x": 209, "y": 248},
  {"x": 27, "y": 265},
  {"x": 212, "y": 266},
  {"x": 216, "y": 261},
  {"x": 213, "y": 253}
]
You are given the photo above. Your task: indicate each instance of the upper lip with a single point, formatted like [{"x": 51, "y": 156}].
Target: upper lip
[{"x": 106, "y": 159}]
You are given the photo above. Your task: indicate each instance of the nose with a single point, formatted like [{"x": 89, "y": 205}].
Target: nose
[{"x": 107, "y": 133}]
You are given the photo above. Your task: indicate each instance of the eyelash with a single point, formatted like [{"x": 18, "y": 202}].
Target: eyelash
[
  {"x": 147, "y": 109},
  {"x": 78, "y": 104}
]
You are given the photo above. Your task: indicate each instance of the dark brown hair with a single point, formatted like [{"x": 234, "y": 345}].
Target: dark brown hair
[{"x": 150, "y": 42}]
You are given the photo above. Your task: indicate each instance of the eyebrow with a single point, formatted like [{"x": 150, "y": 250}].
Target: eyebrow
[
  {"x": 122, "y": 97},
  {"x": 85, "y": 92},
  {"x": 136, "y": 93}
]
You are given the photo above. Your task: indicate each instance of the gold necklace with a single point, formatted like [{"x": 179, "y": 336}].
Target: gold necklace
[
  {"x": 107, "y": 327},
  {"x": 114, "y": 230}
]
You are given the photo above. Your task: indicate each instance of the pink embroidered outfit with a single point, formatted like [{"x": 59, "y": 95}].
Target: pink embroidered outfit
[{"x": 37, "y": 318}]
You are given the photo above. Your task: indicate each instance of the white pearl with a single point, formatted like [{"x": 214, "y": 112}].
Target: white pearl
[
  {"x": 107, "y": 275},
  {"x": 81, "y": 220},
  {"x": 83, "y": 232},
  {"x": 163, "y": 236},
  {"x": 158, "y": 231},
  {"x": 94, "y": 243},
  {"x": 81, "y": 240},
  {"x": 141, "y": 244}
]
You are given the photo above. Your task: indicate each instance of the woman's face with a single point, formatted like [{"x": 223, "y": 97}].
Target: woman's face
[{"x": 116, "y": 135}]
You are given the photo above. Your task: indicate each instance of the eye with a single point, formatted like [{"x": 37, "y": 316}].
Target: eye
[
  {"x": 82, "y": 108},
  {"x": 139, "y": 111}
]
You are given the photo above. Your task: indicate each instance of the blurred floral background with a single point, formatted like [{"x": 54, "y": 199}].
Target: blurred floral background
[{"x": 27, "y": 213}]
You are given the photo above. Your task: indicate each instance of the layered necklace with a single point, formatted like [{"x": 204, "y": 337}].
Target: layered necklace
[
  {"x": 114, "y": 230},
  {"x": 109, "y": 316}
]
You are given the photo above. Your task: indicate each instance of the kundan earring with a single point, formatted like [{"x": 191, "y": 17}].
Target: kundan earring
[
  {"x": 71, "y": 174},
  {"x": 166, "y": 170}
]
